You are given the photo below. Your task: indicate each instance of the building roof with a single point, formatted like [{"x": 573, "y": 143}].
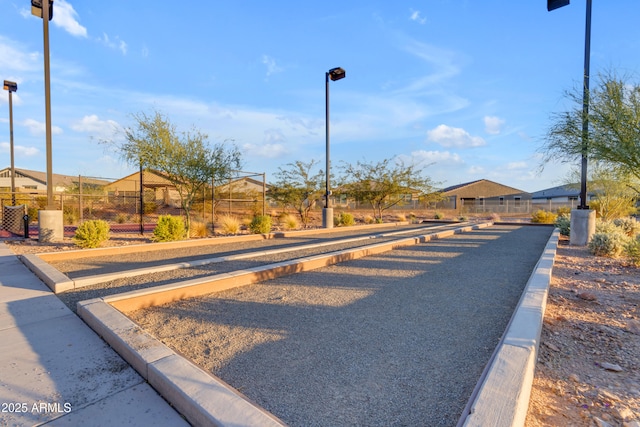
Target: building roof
[
  {"x": 478, "y": 181},
  {"x": 58, "y": 179}
]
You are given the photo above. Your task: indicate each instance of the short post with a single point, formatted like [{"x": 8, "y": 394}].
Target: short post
[{"x": 25, "y": 219}]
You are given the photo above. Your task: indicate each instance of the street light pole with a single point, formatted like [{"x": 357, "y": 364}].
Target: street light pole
[
  {"x": 582, "y": 219},
  {"x": 47, "y": 102},
  {"x": 11, "y": 87},
  {"x": 327, "y": 213}
]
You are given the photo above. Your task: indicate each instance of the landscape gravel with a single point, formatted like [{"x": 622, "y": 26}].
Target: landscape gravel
[{"x": 395, "y": 339}]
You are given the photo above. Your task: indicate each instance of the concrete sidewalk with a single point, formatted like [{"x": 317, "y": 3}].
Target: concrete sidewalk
[{"x": 56, "y": 371}]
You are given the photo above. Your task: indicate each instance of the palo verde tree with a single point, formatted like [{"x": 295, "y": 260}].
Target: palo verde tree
[
  {"x": 385, "y": 184},
  {"x": 185, "y": 158},
  {"x": 614, "y": 127},
  {"x": 298, "y": 186}
]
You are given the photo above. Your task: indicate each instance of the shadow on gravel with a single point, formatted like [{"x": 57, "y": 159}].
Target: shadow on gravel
[{"x": 399, "y": 338}]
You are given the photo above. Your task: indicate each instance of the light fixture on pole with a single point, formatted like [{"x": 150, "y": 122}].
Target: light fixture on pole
[
  {"x": 327, "y": 213},
  {"x": 585, "y": 226},
  {"x": 41, "y": 9},
  {"x": 11, "y": 87}
]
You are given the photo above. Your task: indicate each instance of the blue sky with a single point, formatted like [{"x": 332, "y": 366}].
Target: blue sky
[{"x": 465, "y": 86}]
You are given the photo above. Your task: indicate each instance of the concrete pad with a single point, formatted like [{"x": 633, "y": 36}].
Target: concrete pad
[
  {"x": 203, "y": 399},
  {"x": 26, "y": 310},
  {"x": 58, "y": 363},
  {"x": 130, "y": 407}
]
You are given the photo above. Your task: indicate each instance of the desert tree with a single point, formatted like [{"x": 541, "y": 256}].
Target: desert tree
[
  {"x": 385, "y": 184},
  {"x": 186, "y": 159},
  {"x": 299, "y": 185}
]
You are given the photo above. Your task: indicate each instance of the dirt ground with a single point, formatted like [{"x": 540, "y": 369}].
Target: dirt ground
[{"x": 588, "y": 371}]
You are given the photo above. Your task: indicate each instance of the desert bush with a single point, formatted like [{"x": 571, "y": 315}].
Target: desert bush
[
  {"x": 368, "y": 219},
  {"x": 122, "y": 218},
  {"x": 563, "y": 223},
  {"x": 260, "y": 224},
  {"x": 629, "y": 225},
  {"x": 198, "y": 229},
  {"x": 632, "y": 251},
  {"x": 564, "y": 210},
  {"x": 608, "y": 244},
  {"x": 494, "y": 217},
  {"x": 606, "y": 227},
  {"x": 169, "y": 229},
  {"x": 401, "y": 217},
  {"x": 229, "y": 224},
  {"x": 290, "y": 222},
  {"x": 438, "y": 215},
  {"x": 463, "y": 218},
  {"x": 543, "y": 217},
  {"x": 91, "y": 234},
  {"x": 344, "y": 219}
]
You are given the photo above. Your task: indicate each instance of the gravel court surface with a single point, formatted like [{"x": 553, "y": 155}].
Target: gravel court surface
[
  {"x": 394, "y": 339},
  {"x": 108, "y": 264},
  {"x": 81, "y": 267}
]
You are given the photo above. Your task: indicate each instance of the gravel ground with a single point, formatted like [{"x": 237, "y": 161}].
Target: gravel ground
[
  {"x": 109, "y": 264},
  {"x": 394, "y": 339}
]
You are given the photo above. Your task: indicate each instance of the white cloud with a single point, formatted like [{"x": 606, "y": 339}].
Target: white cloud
[
  {"x": 493, "y": 125},
  {"x": 65, "y": 16},
  {"x": 428, "y": 157},
  {"x": 14, "y": 58},
  {"x": 267, "y": 150},
  {"x": 454, "y": 137},
  {"x": 93, "y": 125},
  {"x": 38, "y": 128},
  {"x": 18, "y": 150},
  {"x": 272, "y": 67},
  {"x": 119, "y": 44},
  {"x": 516, "y": 165},
  {"x": 416, "y": 17}
]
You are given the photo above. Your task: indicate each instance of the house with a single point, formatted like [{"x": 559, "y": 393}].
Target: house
[
  {"x": 484, "y": 195},
  {"x": 560, "y": 196},
  {"x": 246, "y": 186},
  {"x": 157, "y": 188},
  {"x": 29, "y": 181}
]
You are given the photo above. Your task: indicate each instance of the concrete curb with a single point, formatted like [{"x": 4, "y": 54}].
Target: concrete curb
[
  {"x": 59, "y": 282},
  {"x": 502, "y": 398},
  {"x": 202, "y": 398}
]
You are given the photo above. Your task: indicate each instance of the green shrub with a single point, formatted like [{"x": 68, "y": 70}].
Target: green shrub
[
  {"x": 344, "y": 219},
  {"x": 543, "y": 217},
  {"x": 563, "y": 222},
  {"x": 261, "y": 224},
  {"x": 122, "y": 218},
  {"x": 438, "y": 215},
  {"x": 229, "y": 224},
  {"x": 169, "y": 229},
  {"x": 564, "y": 210},
  {"x": 632, "y": 251},
  {"x": 629, "y": 226},
  {"x": 91, "y": 234},
  {"x": 378, "y": 220},
  {"x": 606, "y": 227},
  {"x": 608, "y": 244}
]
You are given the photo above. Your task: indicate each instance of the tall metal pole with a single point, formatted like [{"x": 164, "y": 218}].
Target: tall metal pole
[
  {"x": 328, "y": 160},
  {"x": 585, "y": 109},
  {"x": 47, "y": 101},
  {"x": 13, "y": 169}
]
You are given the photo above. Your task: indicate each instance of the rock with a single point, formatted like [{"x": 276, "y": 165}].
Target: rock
[
  {"x": 551, "y": 346},
  {"x": 601, "y": 423},
  {"x": 611, "y": 367},
  {"x": 625, "y": 413},
  {"x": 631, "y": 424},
  {"x": 574, "y": 378},
  {"x": 587, "y": 296},
  {"x": 633, "y": 326}
]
